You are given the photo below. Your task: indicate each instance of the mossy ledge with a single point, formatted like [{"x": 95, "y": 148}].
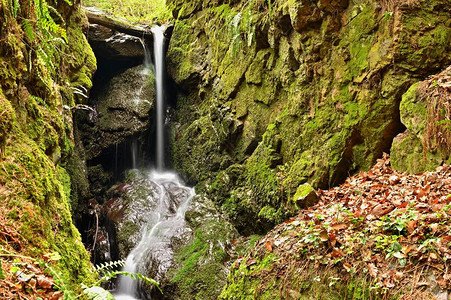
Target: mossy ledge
[{"x": 36, "y": 141}]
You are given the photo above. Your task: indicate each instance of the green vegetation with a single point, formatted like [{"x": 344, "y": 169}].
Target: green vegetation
[
  {"x": 38, "y": 70},
  {"x": 139, "y": 11}
]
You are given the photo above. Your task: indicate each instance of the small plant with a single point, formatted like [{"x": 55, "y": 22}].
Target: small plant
[{"x": 107, "y": 271}]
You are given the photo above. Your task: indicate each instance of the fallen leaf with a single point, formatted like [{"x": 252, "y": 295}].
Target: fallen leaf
[
  {"x": 372, "y": 270},
  {"x": 324, "y": 236},
  {"x": 44, "y": 282},
  {"x": 423, "y": 191},
  {"x": 382, "y": 209},
  {"x": 340, "y": 226},
  {"x": 336, "y": 253},
  {"x": 411, "y": 225},
  {"x": 268, "y": 246}
]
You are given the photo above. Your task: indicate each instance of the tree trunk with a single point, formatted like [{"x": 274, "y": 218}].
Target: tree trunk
[{"x": 98, "y": 17}]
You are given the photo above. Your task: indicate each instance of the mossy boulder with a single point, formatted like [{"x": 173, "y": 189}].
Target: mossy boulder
[
  {"x": 425, "y": 144},
  {"x": 36, "y": 142},
  {"x": 201, "y": 268},
  {"x": 122, "y": 110}
]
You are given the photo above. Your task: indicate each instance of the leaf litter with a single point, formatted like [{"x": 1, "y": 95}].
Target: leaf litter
[{"x": 384, "y": 225}]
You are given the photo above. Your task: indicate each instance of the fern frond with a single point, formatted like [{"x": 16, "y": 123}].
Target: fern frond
[
  {"x": 28, "y": 29},
  {"x": 135, "y": 276},
  {"x": 37, "y": 99},
  {"x": 56, "y": 13},
  {"x": 15, "y": 9},
  {"x": 109, "y": 265}
]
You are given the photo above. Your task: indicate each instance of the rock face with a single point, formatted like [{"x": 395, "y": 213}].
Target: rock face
[
  {"x": 122, "y": 110},
  {"x": 272, "y": 97},
  {"x": 425, "y": 111},
  {"x": 113, "y": 45},
  {"x": 39, "y": 78}
]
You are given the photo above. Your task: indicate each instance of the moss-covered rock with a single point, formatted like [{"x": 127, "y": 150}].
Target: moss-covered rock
[
  {"x": 36, "y": 139},
  {"x": 123, "y": 109},
  {"x": 201, "y": 269},
  {"x": 425, "y": 144},
  {"x": 327, "y": 77}
]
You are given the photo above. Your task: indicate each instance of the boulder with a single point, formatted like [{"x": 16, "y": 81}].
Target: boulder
[
  {"x": 425, "y": 111},
  {"x": 122, "y": 110}
]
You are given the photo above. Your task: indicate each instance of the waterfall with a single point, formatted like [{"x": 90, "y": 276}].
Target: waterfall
[
  {"x": 170, "y": 199},
  {"x": 158, "y": 42}
]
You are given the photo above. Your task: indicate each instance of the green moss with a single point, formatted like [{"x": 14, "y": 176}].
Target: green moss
[
  {"x": 35, "y": 141},
  {"x": 201, "y": 263},
  {"x": 331, "y": 93},
  {"x": 303, "y": 190},
  {"x": 408, "y": 151}
]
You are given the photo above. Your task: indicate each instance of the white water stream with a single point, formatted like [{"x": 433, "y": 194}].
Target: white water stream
[
  {"x": 158, "y": 45},
  {"x": 171, "y": 198},
  {"x": 165, "y": 221}
]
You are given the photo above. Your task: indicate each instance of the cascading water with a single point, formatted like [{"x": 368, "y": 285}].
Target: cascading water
[
  {"x": 169, "y": 200},
  {"x": 158, "y": 42}
]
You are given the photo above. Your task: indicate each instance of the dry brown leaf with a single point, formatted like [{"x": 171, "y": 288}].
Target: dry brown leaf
[
  {"x": 372, "y": 270},
  {"x": 44, "y": 282},
  {"x": 411, "y": 226},
  {"x": 268, "y": 246},
  {"x": 382, "y": 209},
  {"x": 336, "y": 253},
  {"x": 340, "y": 226}
]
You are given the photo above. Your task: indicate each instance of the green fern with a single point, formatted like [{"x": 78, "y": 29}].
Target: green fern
[
  {"x": 37, "y": 99},
  {"x": 28, "y": 29},
  {"x": 135, "y": 276},
  {"x": 15, "y": 7},
  {"x": 109, "y": 265}
]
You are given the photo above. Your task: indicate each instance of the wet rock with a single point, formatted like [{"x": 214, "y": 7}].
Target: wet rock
[
  {"x": 201, "y": 263},
  {"x": 110, "y": 44},
  {"x": 123, "y": 109}
]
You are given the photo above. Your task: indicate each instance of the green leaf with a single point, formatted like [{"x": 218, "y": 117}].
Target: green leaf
[
  {"x": 403, "y": 262},
  {"x": 2, "y": 275},
  {"x": 97, "y": 293},
  {"x": 396, "y": 247}
]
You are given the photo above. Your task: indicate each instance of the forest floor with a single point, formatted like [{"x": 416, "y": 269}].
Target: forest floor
[
  {"x": 22, "y": 276},
  {"x": 389, "y": 227}
]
